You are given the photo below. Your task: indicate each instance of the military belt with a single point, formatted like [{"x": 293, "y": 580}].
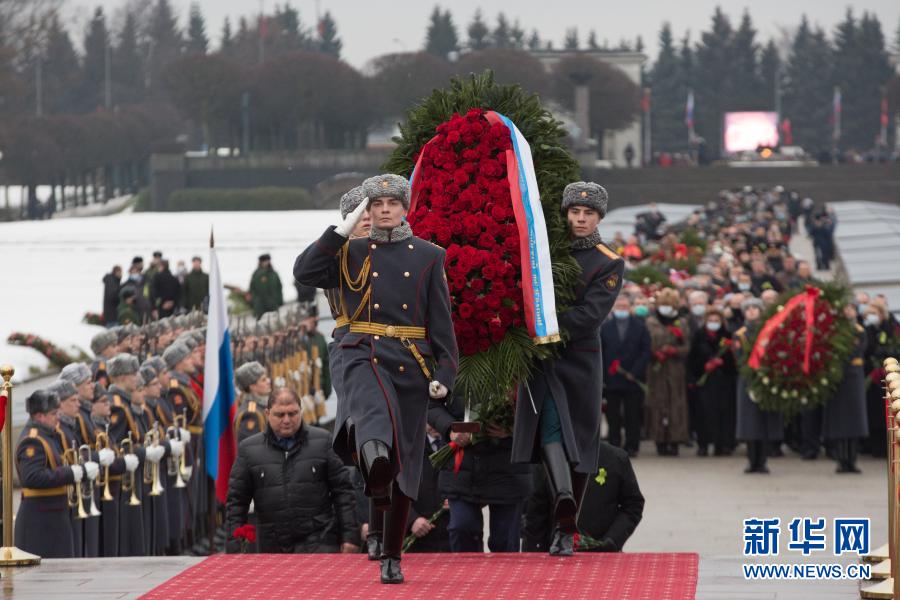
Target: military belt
[
  {"x": 195, "y": 429},
  {"x": 43, "y": 492},
  {"x": 341, "y": 321},
  {"x": 404, "y": 333}
]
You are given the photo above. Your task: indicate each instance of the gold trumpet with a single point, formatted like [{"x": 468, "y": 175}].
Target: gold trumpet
[
  {"x": 182, "y": 465},
  {"x": 103, "y": 478},
  {"x": 73, "y": 494},
  {"x": 87, "y": 489},
  {"x": 151, "y": 469},
  {"x": 174, "y": 469},
  {"x": 128, "y": 482}
]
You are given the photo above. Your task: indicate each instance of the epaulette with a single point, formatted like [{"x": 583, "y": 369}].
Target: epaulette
[
  {"x": 33, "y": 432},
  {"x": 251, "y": 406},
  {"x": 606, "y": 250},
  {"x": 173, "y": 384},
  {"x": 101, "y": 366},
  {"x": 117, "y": 400}
]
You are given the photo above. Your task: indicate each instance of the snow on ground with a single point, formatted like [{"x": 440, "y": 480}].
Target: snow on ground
[{"x": 53, "y": 270}]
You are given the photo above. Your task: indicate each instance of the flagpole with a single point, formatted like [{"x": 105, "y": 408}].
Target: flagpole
[
  {"x": 210, "y": 483},
  {"x": 836, "y": 117}
]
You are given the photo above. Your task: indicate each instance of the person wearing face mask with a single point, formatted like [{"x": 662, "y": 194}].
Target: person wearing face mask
[
  {"x": 625, "y": 340},
  {"x": 712, "y": 370},
  {"x": 757, "y": 427},
  {"x": 641, "y": 307},
  {"x": 667, "y": 412},
  {"x": 880, "y": 344},
  {"x": 844, "y": 414}
]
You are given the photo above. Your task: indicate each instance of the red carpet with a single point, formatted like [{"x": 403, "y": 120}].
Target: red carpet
[{"x": 495, "y": 576}]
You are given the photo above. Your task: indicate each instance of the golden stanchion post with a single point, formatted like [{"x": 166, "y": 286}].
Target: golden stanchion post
[
  {"x": 890, "y": 587},
  {"x": 10, "y": 556}
]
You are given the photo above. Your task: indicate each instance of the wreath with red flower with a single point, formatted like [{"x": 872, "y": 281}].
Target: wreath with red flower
[
  {"x": 787, "y": 381},
  {"x": 464, "y": 205},
  {"x": 57, "y": 357}
]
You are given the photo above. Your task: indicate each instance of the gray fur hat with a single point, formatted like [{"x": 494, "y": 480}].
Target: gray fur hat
[
  {"x": 387, "y": 185},
  {"x": 585, "y": 193},
  {"x": 757, "y": 302},
  {"x": 62, "y": 388},
  {"x": 351, "y": 200},
  {"x": 163, "y": 326},
  {"x": 188, "y": 340},
  {"x": 123, "y": 364},
  {"x": 146, "y": 374},
  {"x": 41, "y": 401},
  {"x": 76, "y": 373},
  {"x": 248, "y": 374},
  {"x": 103, "y": 340},
  {"x": 175, "y": 353},
  {"x": 156, "y": 363},
  {"x": 199, "y": 336}
]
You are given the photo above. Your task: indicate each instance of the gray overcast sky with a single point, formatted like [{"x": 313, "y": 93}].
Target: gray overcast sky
[{"x": 372, "y": 27}]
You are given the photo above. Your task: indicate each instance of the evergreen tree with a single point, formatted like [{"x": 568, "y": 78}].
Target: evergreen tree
[
  {"x": 128, "y": 67},
  {"x": 592, "y": 40},
  {"x": 686, "y": 60},
  {"x": 478, "y": 33},
  {"x": 61, "y": 71},
  {"x": 862, "y": 107},
  {"x": 571, "y": 42},
  {"x": 667, "y": 95},
  {"x": 714, "y": 72},
  {"x": 441, "y": 38},
  {"x": 639, "y": 44},
  {"x": 96, "y": 41},
  {"x": 746, "y": 89},
  {"x": 770, "y": 74},
  {"x": 534, "y": 41},
  {"x": 517, "y": 35},
  {"x": 808, "y": 87},
  {"x": 501, "y": 34},
  {"x": 226, "y": 46},
  {"x": 164, "y": 43},
  {"x": 329, "y": 43},
  {"x": 197, "y": 42}
]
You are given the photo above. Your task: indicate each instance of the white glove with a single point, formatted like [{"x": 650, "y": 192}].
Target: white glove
[
  {"x": 349, "y": 223},
  {"x": 318, "y": 363},
  {"x": 437, "y": 390},
  {"x": 131, "y": 462},
  {"x": 77, "y": 472},
  {"x": 106, "y": 457},
  {"x": 185, "y": 435},
  {"x": 176, "y": 447},
  {"x": 188, "y": 471},
  {"x": 91, "y": 469},
  {"x": 320, "y": 397},
  {"x": 155, "y": 453}
]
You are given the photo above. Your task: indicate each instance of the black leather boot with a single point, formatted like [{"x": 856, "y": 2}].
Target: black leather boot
[
  {"x": 579, "y": 483},
  {"x": 852, "y": 453},
  {"x": 376, "y": 459},
  {"x": 376, "y": 528},
  {"x": 394, "y": 530},
  {"x": 560, "y": 479}
]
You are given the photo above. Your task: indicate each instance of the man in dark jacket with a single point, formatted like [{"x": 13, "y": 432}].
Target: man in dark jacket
[
  {"x": 196, "y": 285},
  {"x": 613, "y": 506},
  {"x": 111, "y": 283},
  {"x": 486, "y": 477},
  {"x": 624, "y": 339},
  {"x": 265, "y": 288},
  {"x": 301, "y": 491},
  {"x": 165, "y": 291},
  {"x": 430, "y": 536}
]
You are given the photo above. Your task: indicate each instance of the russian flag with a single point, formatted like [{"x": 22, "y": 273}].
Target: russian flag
[
  {"x": 218, "y": 388},
  {"x": 689, "y": 110}
]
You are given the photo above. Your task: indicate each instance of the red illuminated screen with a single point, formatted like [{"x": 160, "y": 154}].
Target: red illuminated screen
[{"x": 749, "y": 130}]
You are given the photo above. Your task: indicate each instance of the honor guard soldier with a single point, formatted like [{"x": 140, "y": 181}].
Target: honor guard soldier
[
  {"x": 399, "y": 350},
  {"x": 42, "y": 524},
  {"x": 562, "y": 426},
  {"x": 128, "y": 422},
  {"x": 79, "y": 449},
  {"x": 255, "y": 387},
  {"x": 104, "y": 345}
]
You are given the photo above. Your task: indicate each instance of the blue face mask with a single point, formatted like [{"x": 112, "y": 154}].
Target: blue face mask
[
  {"x": 641, "y": 311},
  {"x": 862, "y": 307},
  {"x": 620, "y": 314}
]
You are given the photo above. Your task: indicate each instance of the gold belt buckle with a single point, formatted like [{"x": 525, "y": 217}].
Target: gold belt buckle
[{"x": 390, "y": 331}]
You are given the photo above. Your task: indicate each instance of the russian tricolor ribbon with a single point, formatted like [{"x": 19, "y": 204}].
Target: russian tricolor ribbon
[{"x": 805, "y": 300}]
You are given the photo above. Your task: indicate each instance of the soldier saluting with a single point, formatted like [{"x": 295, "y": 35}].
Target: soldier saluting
[
  {"x": 399, "y": 350},
  {"x": 562, "y": 426}
]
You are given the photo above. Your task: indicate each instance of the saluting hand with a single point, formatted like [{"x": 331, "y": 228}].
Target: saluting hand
[{"x": 346, "y": 227}]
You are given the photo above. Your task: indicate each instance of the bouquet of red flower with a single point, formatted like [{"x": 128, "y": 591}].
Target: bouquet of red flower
[
  {"x": 615, "y": 367},
  {"x": 796, "y": 359},
  {"x": 246, "y": 534},
  {"x": 715, "y": 362},
  {"x": 57, "y": 357}
]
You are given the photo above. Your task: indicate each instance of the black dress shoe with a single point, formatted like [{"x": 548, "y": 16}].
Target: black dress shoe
[
  {"x": 563, "y": 543},
  {"x": 373, "y": 547},
  {"x": 390, "y": 570},
  {"x": 376, "y": 459}
]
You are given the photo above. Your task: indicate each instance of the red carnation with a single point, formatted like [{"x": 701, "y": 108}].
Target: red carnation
[{"x": 614, "y": 366}]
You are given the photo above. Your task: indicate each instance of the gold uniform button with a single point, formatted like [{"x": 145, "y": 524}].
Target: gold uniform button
[
  {"x": 373, "y": 246},
  {"x": 410, "y": 246},
  {"x": 375, "y": 360},
  {"x": 405, "y": 307},
  {"x": 377, "y": 337},
  {"x": 406, "y": 273},
  {"x": 376, "y": 306},
  {"x": 375, "y": 274},
  {"x": 402, "y": 368}
]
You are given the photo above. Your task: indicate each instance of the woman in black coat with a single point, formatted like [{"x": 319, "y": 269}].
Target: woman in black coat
[
  {"x": 711, "y": 362},
  {"x": 880, "y": 345}
]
